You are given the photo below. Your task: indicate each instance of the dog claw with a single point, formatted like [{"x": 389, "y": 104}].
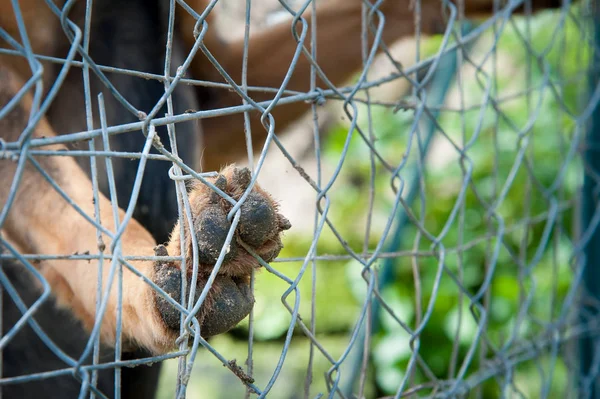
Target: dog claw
[
  {"x": 160, "y": 250},
  {"x": 283, "y": 223},
  {"x": 221, "y": 184},
  {"x": 242, "y": 177}
]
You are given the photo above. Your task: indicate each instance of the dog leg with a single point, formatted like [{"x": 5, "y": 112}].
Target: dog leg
[{"x": 41, "y": 221}]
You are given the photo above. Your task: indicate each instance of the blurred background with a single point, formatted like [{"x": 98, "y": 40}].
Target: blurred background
[{"x": 474, "y": 241}]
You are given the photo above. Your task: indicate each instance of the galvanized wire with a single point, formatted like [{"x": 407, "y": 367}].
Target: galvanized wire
[{"x": 391, "y": 245}]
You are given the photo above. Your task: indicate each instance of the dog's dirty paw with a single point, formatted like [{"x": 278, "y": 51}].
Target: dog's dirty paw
[{"x": 260, "y": 226}]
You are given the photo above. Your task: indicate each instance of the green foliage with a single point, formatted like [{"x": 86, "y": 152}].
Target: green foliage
[{"x": 519, "y": 172}]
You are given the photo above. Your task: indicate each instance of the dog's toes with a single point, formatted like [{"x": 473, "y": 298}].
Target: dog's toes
[
  {"x": 260, "y": 224},
  {"x": 232, "y": 304},
  {"x": 211, "y": 228},
  {"x": 241, "y": 177},
  {"x": 258, "y": 220}
]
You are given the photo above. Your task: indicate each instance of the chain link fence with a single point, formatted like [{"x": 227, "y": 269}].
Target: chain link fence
[{"x": 442, "y": 245}]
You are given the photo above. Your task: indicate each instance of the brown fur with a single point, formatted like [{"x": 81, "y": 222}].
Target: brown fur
[
  {"x": 40, "y": 221},
  {"x": 74, "y": 282},
  {"x": 339, "y": 55}
]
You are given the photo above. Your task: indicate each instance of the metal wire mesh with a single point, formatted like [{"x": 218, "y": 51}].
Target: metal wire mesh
[{"x": 440, "y": 254}]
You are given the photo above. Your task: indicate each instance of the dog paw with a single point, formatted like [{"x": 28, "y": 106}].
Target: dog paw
[{"x": 229, "y": 299}]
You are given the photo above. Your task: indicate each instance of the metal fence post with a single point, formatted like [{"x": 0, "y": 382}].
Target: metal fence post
[
  {"x": 589, "y": 202},
  {"x": 438, "y": 89}
]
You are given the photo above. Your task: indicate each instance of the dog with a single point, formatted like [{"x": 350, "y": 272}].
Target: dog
[{"x": 38, "y": 219}]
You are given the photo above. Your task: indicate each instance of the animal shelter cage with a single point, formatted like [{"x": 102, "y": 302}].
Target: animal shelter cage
[{"x": 443, "y": 204}]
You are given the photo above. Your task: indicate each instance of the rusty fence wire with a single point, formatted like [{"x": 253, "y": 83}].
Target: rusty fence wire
[{"x": 442, "y": 252}]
